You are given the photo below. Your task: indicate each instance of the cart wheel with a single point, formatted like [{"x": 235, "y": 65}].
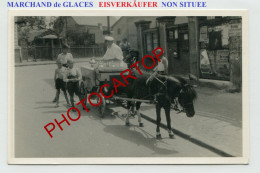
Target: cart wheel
[{"x": 102, "y": 106}]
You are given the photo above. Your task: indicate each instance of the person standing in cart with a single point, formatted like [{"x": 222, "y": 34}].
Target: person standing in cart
[
  {"x": 162, "y": 67},
  {"x": 113, "y": 52},
  {"x": 59, "y": 83},
  {"x": 72, "y": 77},
  {"x": 65, "y": 56}
]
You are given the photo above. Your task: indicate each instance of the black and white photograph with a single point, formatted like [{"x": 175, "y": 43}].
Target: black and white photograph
[{"x": 127, "y": 89}]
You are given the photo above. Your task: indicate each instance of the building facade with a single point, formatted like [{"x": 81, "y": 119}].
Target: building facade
[{"x": 207, "y": 47}]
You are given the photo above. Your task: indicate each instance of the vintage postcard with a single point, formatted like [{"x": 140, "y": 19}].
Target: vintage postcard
[{"x": 128, "y": 87}]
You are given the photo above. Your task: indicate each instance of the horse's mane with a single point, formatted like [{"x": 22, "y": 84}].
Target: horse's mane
[
  {"x": 144, "y": 73},
  {"x": 187, "y": 88}
]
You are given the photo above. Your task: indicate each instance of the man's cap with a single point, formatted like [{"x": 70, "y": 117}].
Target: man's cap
[{"x": 109, "y": 38}]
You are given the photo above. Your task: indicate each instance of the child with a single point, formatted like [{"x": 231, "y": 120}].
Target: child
[
  {"x": 72, "y": 77},
  {"x": 65, "y": 56},
  {"x": 59, "y": 83}
]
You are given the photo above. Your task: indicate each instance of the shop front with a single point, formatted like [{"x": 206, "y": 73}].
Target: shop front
[
  {"x": 220, "y": 42},
  {"x": 207, "y": 47}
]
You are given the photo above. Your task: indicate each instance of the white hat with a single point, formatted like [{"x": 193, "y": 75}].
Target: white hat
[{"x": 109, "y": 38}]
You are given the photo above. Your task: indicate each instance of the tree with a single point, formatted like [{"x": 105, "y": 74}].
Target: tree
[
  {"x": 59, "y": 24},
  {"x": 26, "y": 24}
]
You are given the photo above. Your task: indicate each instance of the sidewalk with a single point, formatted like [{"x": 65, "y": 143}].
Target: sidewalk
[{"x": 212, "y": 132}]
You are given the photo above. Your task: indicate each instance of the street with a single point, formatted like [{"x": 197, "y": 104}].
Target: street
[{"x": 92, "y": 136}]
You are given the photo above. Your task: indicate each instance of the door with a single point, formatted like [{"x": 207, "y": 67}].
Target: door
[{"x": 178, "y": 50}]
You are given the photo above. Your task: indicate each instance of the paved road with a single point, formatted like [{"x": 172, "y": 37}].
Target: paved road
[{"x": 90, "y": 136}]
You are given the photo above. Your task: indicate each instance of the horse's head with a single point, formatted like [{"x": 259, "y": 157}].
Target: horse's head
[
  {"x": 186, "y": 97},
  {"x": 185, "y": 93}
]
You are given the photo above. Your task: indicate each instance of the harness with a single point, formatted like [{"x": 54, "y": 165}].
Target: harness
[{"x": 162, "y": 92}]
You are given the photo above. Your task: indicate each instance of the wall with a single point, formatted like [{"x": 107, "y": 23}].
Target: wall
[{"x": 99, "y": 37}]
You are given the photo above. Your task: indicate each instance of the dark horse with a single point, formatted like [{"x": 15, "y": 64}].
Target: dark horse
[{"x": 164, "y": 90}]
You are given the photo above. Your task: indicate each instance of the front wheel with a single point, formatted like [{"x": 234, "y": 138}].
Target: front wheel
[
  {"x": 83, "y": 90},
  {"x": 102, "y": 106}
]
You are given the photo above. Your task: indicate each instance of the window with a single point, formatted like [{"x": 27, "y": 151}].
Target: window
[
  {"x": 155, "y": 40},
  {"x": 150, "y": 41},
  {"x": 173, "y": 34}
]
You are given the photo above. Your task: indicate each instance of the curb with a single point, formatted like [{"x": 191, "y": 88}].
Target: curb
[
  {"x": 210, "y": 83},
  {"x": 22, "y": 65},
  {"x": 47, "y": 63},
  {"x": 191, "y": 139}
]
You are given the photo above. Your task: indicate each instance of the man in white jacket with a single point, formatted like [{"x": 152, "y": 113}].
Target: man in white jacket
[{"x": 113, "y": 52}]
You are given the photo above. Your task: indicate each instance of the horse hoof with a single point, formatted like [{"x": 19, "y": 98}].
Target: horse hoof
[
  {"x": 159, "y": 136},
  {"x": 127, "y": 124},
  {"x": 171, "y": 136},
  {"x": 141, "y": 124}
]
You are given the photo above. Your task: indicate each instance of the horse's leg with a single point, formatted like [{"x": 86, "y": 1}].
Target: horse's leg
[
  {"x": 167, "y": 108},
  {"x": 138, "y": 105},
  {"x": 158, "y": 121}
]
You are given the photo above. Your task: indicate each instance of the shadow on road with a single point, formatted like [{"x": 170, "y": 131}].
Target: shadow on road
[
  {"x": 45, "y": 107},
  {"x": 43, "y": 102},
  {"x": 130, "y": 134}
]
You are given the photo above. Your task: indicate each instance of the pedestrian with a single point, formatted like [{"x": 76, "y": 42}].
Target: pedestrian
[
  {"x": 125, "y": 46},
  {"x": 73, "y": 77},
  {"x": 59, "y": 83},
  {"x": 65, "y": 56},
  {"x": 162, "y": 67}
]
